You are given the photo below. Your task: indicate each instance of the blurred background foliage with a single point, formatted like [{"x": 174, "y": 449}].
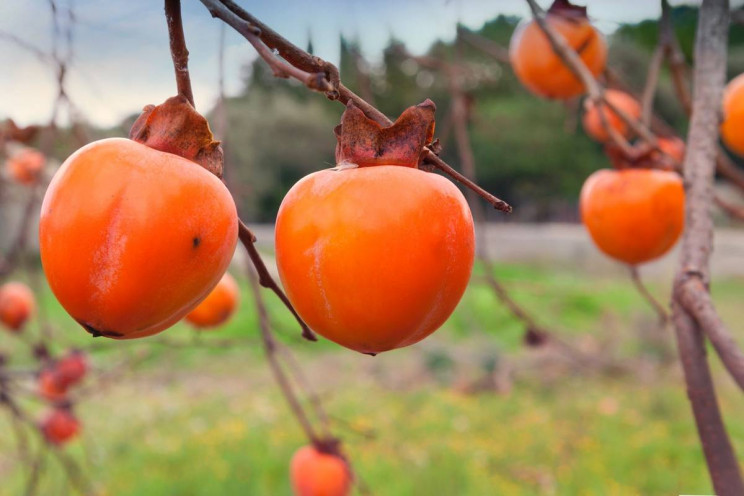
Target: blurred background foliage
[{"x": 529, "y": 151}]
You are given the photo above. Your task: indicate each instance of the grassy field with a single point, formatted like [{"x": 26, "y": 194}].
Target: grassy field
[{"x": 196, "y": 420}]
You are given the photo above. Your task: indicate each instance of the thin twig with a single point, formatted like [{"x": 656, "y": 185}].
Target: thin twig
[
  {"x": 248, "y": 239},
  {"x": 179, "y": 52},
  {"x": 652, "y": 81},
  {"x": 660, "y": 309}
]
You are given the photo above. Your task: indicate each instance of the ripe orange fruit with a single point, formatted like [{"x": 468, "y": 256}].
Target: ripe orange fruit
[
  {"x": 374, "y": 258},
  {"x": 218, "y": 306},
  {"x": 17, "y": 303},
  {"x": 732, "y": 127},
  {"x": 25, "y": 165},
  {"x": 376, "y": 254},
  {"x": 313, "y": 473},
  {"x": 133, "y": 238},
  {"x": 60, "y": 426},
  {"x": 633, "y": 215},
  {"x": 592, "y": 119},
  {"x": 537, "y": 66}
]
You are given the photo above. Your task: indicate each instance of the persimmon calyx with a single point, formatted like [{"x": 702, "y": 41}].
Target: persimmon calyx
[
  {"x": 566, "y": 9},
  {"x": 364, "y": 142},
  {"x": 176, "y": 127}
]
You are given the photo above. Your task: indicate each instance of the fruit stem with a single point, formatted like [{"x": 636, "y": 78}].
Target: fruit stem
[{"x": 179, "y": 52}]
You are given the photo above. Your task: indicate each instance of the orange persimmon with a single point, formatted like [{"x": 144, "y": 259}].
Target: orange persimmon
[
  {"x": 538, "y": 67},
  {"x": 60, "y": 426},
  {"x": 25, "y": 165},
  {"x": 71, "y": 368},
  {"x": 218, "y": 306},
  {"x": 314, "y": 473},
  {"x": 633, "y": 215},
  {"x": 732, "y": 127},
  {"x": 133, "y": 238},
  {"x": 17, "y": 303},
  {"x": 50, "y": 386},
  {"x": 375, "y": 254},
  {"x": 592, "y": 119}
]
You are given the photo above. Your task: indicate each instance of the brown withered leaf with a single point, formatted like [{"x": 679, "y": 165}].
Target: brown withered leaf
[
  {"x": 176, "y": 127},
  {"x": 364, "y": 142}
]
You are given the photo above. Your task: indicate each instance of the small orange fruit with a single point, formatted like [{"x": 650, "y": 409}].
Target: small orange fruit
[
  {"x": 732, "y": 127},
  {"x": 218, "y": 306},
  {"x": 17, "y": 303},
  {"x": 592, "y": 119},
  {"x": 314, "y": 473},
  {"x": 60, "y": 426},
  {"x": 537, "y": 66},
  {"x": 26, "y": 165},
  {"x": 633, "y": 215}
]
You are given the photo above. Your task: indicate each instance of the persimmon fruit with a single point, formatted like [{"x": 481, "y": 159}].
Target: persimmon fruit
[
  {"x": 71, "y": 368},
  {"x": 25, "y": 165},
  {"x": 60, "y": 426},
  {"x": 314, "y": 473},
  {"x": 538, "y": 67},
  {"x": 50, "y": 386},
  {"x": 633, "y": 215},
  {"x": 592, "y": 119},
  {"x": 218, "y": 306},
  {"x": 375, "y": 254},
  {"x": 17, "y": 304},
  {"x": 732, "y": 126},
  {"x": 133, "y": 238}
]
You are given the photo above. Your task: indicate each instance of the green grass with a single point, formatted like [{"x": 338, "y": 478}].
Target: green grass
[{"x": 202, "y": 421}]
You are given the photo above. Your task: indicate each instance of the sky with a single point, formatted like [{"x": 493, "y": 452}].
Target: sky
[{"x": 121, "y": 59}]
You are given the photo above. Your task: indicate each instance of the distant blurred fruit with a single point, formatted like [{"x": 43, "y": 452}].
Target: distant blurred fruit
[
  {"x": 314, "y": 473},
  {"x": 71, "y": 368},
  {"x": 50, "y": 386},
  {"x": 218, "y": 306},
  {"x": 592, "y": 119},
  {"x": 60, "y": 426},
  {"x": 633, "y": 215},
  {"x": 17, "y": 303},
  {"x": 538, "y": 67},
  {"x": 25, "y": 165},
  {"x": 732, "y": 127}
]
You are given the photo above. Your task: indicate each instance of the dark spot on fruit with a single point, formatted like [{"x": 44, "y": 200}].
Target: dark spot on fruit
[
  {"x": 98, "y": 333},
  {"x": 196, "y": 242},
  {"x": 370, "y": 353}
]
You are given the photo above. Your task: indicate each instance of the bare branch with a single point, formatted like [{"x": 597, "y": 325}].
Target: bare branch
[
  {"x": 697, "y": 241},
  {"x": 652, "y": 81},
  {"x": 660, "y": 309},
  {"x": 179, "y": 52}
]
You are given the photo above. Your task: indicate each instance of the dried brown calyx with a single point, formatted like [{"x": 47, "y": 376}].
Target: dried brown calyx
[
  {"x": 176, "y": 127},
  {"x": 567, "y": 10},
  {"x": 363, "y": 142}
]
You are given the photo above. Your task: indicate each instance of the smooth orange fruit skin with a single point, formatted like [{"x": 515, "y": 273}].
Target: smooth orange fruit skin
[
  {"x": 540, "y": 70},
  {"x": 218, "y": 306},
  {"x": 633, "y": 215},
  {"x": 17, "y": 303},
  {"x": 592, "y": 119},
  {"x": 26, "y": 165},
  {"x": 732, "y": 126},
  {"x": 60, "y": 426},
  {"x": 374, "y": 258},
  {"x": 313, "y": 473},
  {"x": 132, "y": 238}
]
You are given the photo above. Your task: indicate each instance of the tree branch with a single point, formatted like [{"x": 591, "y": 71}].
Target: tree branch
[
  {"x": 179, "y": 52},
  {"x": 697, "y": 241}
]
